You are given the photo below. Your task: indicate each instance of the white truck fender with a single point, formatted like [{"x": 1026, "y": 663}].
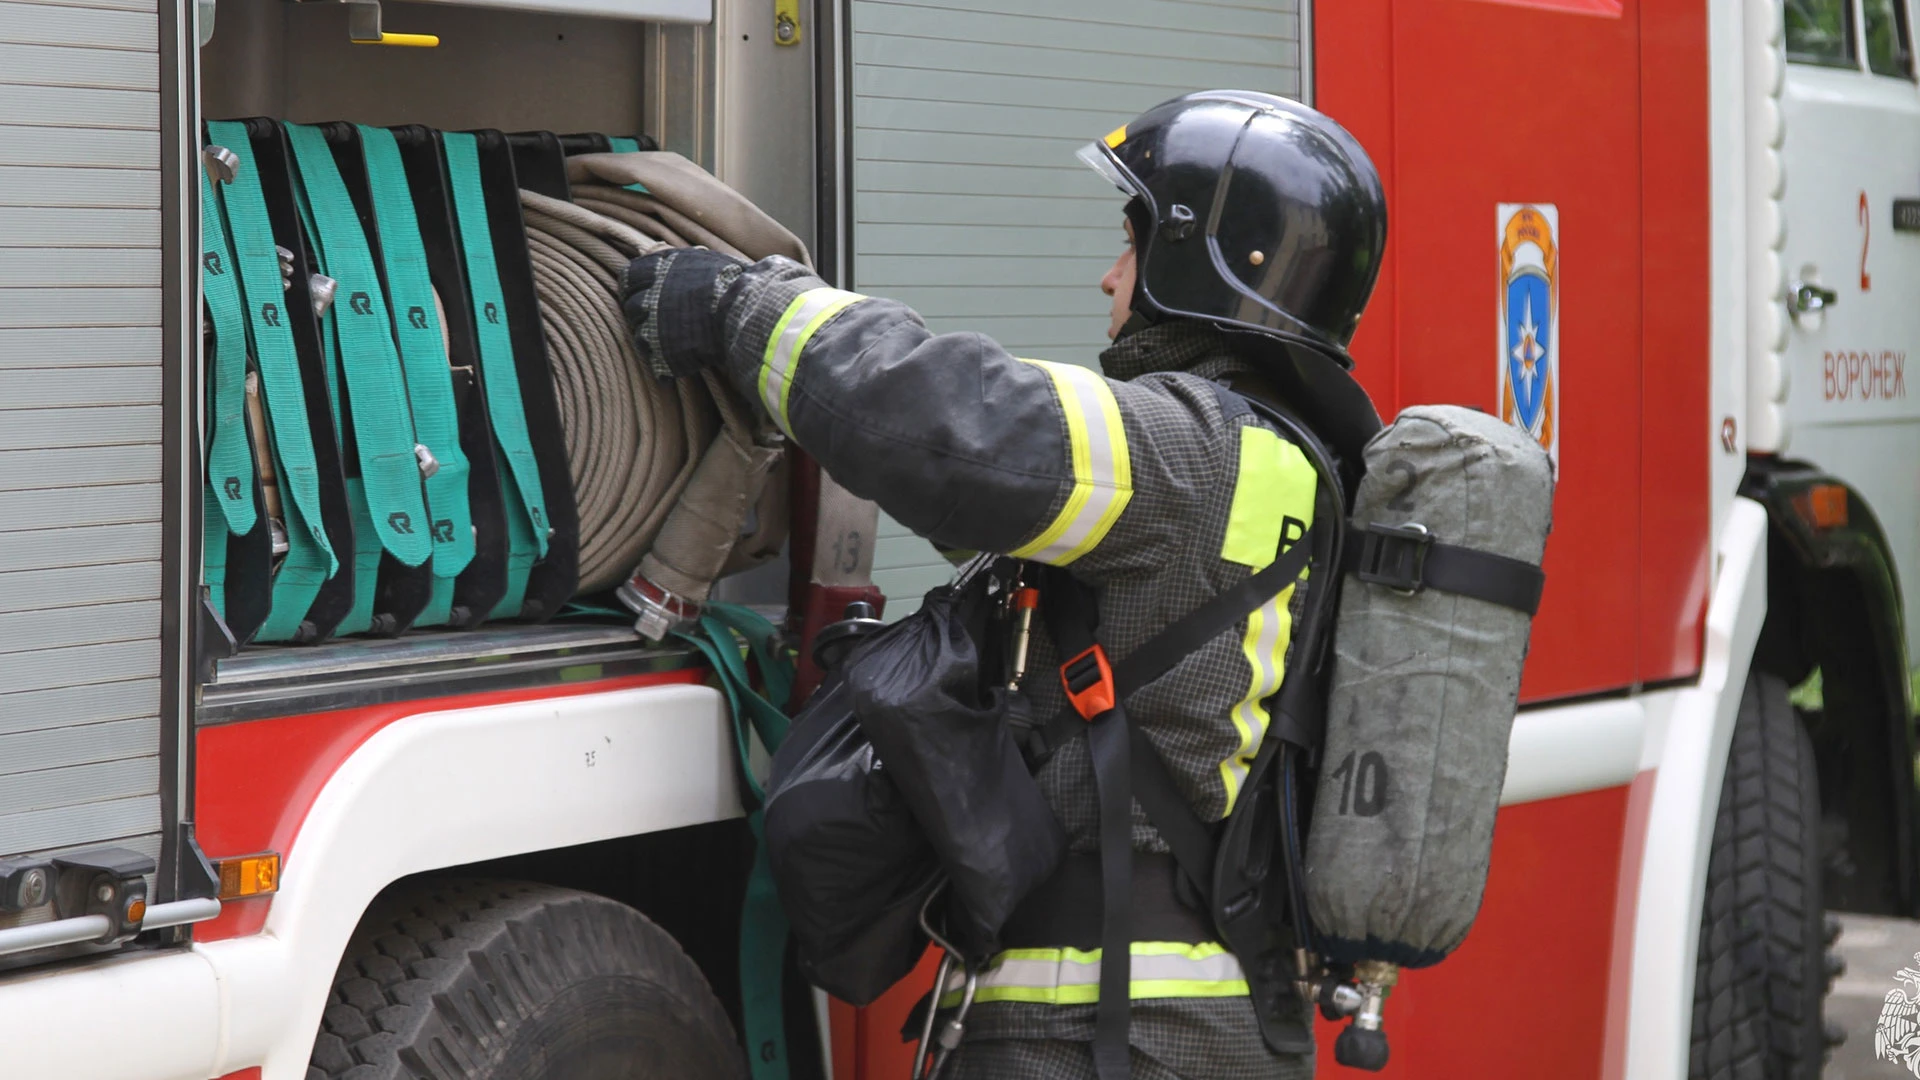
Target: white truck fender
[
  {"x": 1664, "y": 859},
  {"x": 428, "y": 791}
]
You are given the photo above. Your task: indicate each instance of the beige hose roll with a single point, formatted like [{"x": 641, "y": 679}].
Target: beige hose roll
[{"x": 666, "y": 476}]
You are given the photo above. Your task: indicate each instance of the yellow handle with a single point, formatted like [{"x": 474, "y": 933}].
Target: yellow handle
[{"x": 413, "y": 41}]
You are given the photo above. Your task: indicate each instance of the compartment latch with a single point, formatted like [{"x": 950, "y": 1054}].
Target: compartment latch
[{"x": 363, "y": 27}]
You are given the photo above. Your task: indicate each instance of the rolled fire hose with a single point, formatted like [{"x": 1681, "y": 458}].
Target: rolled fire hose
[{"x": 666, "y": 476}]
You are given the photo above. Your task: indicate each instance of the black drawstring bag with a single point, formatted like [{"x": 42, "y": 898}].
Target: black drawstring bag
[
  {"x": 850, "y": 863},
  {"x": 941, "y": 726},
  {"x": 901, "y": 771}
]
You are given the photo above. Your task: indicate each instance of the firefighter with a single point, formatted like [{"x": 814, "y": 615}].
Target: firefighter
[{"x": 1255, "y": 228}]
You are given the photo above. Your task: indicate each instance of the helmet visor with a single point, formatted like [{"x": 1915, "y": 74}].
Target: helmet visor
[{"x": 1096, "y": 157}]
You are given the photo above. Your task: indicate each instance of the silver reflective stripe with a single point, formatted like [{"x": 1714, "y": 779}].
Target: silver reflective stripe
[
  {"x": 1102, "y": 470},
  {"x": 1268, "y": 631},
  {"x": 808, "y": 312},
  {"x": 1070, "y": 976}
]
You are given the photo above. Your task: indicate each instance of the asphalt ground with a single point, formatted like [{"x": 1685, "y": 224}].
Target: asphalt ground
[{"x": 1875, "y": 949}]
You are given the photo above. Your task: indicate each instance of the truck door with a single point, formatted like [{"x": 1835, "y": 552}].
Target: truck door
[
  {"x": 965, "y": 200},
  {"x": 89, "y": 517},
  {"x": 1852, "y": 257}
]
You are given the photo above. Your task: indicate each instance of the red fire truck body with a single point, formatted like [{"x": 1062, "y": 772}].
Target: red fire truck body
[{"x": 1686, "y": 184}]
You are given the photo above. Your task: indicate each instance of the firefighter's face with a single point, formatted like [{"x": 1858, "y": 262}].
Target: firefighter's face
[{"x": 1119, "y": 284}]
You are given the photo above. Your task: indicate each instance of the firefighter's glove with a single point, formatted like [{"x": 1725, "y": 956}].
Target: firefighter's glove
[{"x": 676, "y": 306}]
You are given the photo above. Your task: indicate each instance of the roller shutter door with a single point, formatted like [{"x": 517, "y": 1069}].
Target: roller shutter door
[
  {"x": 80, "y": 426},
  {"x": 968, "y": 203}
]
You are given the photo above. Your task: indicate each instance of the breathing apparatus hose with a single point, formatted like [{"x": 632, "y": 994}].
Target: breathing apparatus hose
[{"x": 665, "y": 475}]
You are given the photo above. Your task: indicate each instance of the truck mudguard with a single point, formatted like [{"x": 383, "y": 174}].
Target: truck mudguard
[{"x": 1449, "y": 523}]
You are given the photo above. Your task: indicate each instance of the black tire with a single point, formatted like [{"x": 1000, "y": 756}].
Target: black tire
[
  {"x": 502, "y": 980},
  {"x": 1761, "y": 975}
]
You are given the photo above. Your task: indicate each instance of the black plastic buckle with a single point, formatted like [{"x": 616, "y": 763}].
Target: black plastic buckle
[{"x": 1394, "y": 556}]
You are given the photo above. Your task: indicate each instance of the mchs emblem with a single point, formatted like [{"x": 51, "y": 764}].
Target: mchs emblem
[{"x": 1529, "y": 360}]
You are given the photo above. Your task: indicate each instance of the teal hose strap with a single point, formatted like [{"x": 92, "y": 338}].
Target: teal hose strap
[
  {"x": 229, "y": 456},
  {"x": 498, "y": 371},
  {"x": 423, "y": 359},
  {"x": 213, "y": 551},
  {"x": 369, "y": 361},
  {"x": 310, "y": 558},
  {"x": 621, "y": 144},
  {"x": 763, "y": 923},
  {"x": 763, "y": 955}
]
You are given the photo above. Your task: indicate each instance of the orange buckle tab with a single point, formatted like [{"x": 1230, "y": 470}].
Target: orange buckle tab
[{"x": 1089, "y": 682}]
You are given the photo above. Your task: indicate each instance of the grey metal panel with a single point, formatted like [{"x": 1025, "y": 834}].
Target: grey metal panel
[
  {"x": 80, "y": 424},
  {"x": 71, "y": 347},
  {"x": 968, "y": 203},
  {"x": 78, "y": 744},
  {"x": 113, "y": 426},
  {"x": 93, "y": 624},
  {"x": 48, "y": 24},
  {"x": 65, "y": 227},
  {"x": 98, "y": 782},
  {"x": 77, "y": 147},
  {"x": 907, "y": 270},
  {"x": 1007, "y": 241},
  {"x": 114, "y": 189},
  {"x": 45, "y": 669},
  {"x": 60, "y": 106},
  {"x": 38, "y": 710},
  {"x": 104, "y": 5},
  {"x": 91, "y": 546},
  {"x": 1271, "y": 19},
  {"x": 22, "y": 470},
  {"x": 35, "y": 589},
  {"x": 29, "y": 308},
  {"x": 77, "y": 825},
  {"x": 24, "y": 267},
  {"x": 55, "y": 508},
  {"x": 62, "y": 65},
  {"x": 80, "y": 387}
]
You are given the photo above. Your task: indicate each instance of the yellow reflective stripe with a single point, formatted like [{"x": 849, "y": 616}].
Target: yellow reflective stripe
[
  {"x": 1275, "y": 484},
  {"x": 1116, "y": 136},
  {"x": 1160, "y": 969},
  {"x": 1102, "y": 469},
  {"x": 808, "y": 312}
]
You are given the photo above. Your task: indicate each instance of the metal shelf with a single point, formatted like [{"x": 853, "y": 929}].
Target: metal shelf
[{"x": 665, "y": 11}]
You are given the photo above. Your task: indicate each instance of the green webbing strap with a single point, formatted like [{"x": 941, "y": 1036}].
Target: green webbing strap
[
  {"x": 213, "y": 562},
  {"x": 310, "y": 559},
  {"x": 763, "y": 925},
  {"x": 369, "y": 360},
  {"x": 520, "y": 480},
  {"x": 621, "y": 144},
  {"x": 229, "y": 458},
  {"x": 423, "y": 359}
]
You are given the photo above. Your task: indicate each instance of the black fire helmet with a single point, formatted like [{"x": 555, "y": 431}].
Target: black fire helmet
[{"x": 1252, "y": 212}]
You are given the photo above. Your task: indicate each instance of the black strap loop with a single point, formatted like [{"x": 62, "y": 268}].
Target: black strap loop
[{"x": 1409, "y": 559}]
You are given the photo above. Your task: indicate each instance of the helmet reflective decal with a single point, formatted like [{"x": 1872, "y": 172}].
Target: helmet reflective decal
[{"x": 1117, "y": 136}]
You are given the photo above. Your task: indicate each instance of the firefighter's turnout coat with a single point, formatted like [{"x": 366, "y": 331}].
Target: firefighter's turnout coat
[{"x": 1148, "y": 488}]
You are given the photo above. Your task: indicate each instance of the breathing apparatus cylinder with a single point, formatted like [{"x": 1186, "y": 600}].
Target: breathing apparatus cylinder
[{"x": 1423, "y": 691}]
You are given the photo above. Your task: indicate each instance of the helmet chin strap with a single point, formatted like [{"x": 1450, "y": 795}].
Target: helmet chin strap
[{"x": 1136, "y": 322}]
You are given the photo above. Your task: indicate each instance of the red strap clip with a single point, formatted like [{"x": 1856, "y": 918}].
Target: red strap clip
[{"x": 1089, "y": 682}]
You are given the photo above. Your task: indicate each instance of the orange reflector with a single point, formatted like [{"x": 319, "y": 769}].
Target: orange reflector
[
  {"x": 136, "y": 911},
  {"x": 1823, "y": 506},
  {"x": 249, "y": 875}
]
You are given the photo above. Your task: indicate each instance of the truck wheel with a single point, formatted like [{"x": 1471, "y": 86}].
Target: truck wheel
[
  {"x": 1761, "y": 977},
  {"x": 503, "y": 980}
]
